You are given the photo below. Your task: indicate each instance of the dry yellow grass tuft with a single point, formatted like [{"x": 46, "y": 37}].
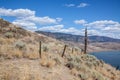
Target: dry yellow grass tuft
[
  {"x": 51, "y": 63},
  {"x": 74, "y": 72},
  {"x": 47, "y": 63},
  {"x": 15, "y": 53},
  {"x": 43, "y": 62},
  {"x": 33, "y": 56}
]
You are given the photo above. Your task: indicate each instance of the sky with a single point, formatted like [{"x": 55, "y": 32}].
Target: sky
[{"x": 101, "y": 17}]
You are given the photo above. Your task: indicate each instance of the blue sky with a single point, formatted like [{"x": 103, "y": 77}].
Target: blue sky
[{"x": 102, "y": 17}]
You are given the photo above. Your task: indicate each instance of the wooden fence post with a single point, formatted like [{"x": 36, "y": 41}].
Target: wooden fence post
[
  {"x": 64, "y": 50},
  {"x": 72, "y": 50},
  {"x": 85, "y": 41},
  {"x": 40, "y": 43}
]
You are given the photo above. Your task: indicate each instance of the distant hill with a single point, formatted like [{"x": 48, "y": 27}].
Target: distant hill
[{"x": 78, "y": 38}]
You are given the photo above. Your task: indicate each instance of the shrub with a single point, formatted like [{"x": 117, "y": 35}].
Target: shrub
[
  {"x": 70, "y": 65},
  {"x": 97, "y": 76},
  {"x": 8, "y": 34},
  {"x": 89, "y": 64},
  {"x": 83, "y": 76},
  {"x": 58, "y": 61},
  {"x": 20, "y": 45},
  {"x": 45, "y": 48},
  {"x": 74, "y": 62}
]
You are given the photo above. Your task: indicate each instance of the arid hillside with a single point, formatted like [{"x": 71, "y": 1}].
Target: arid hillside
[{"x": 20, "y": 58}]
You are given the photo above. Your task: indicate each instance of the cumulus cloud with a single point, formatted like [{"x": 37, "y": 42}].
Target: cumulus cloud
[
  {"x": 19, "y": 13},
  {"x": 26, "y": 24},
  {"x": 103, "y": 23},
  {"x": 82, "y": 5},
  {"x": 53, "y": 28},
  {"x": 108, "y": 28},
  {"x": 105, "y": 26},
  {"x": 82, "y": 21},
  {"x": 59, "y": 19},
  {"x": 41, "y": 20},
  {"x": 27, "y": 18},
  {"x": 60, "y": 28},
  {"x": 69, "y": 5}
]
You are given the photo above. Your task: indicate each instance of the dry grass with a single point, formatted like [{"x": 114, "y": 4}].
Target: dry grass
[
  {"x": 18, "y": 72},
  {"x": 47, "y": 62},
  {"x": 51, "y": 63},
  {"x": 74, "y": 72},
  {"x": 33, "y": 56}
]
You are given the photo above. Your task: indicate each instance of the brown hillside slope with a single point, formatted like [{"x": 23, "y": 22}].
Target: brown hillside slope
[{"x": 19, "y": 58}]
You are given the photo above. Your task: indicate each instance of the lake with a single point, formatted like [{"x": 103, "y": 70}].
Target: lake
[{"x": 110, "y": 57}]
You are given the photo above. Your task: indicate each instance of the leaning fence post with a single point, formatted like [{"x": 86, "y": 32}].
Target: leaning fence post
[
  {"x": 40, "y": 49},
  {"x": 64, "y": 50},
  {"x": 72, "y": 50}
]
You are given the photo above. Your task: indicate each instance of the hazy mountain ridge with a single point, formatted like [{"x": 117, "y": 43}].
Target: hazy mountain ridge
[
  {"x": 95, "y": 43},
  {"x": 78, "y": 38}
]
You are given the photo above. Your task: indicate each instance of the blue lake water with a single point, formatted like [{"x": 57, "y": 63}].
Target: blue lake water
[{"x": 110, "y": 57}]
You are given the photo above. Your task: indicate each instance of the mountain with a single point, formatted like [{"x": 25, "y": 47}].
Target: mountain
[
  {"x": 20, "y": 58},
  {"x": 102, "y": 39},
  {"x": 78, "y": 38},
  {"x": 95, "y": 43}
]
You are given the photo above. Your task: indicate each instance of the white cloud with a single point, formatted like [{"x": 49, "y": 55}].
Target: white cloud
[
  {"x": 54, "y": 28},
  {"x": 27, "y": 18},
  {"x": 108, "y": 28},
  {"x": 82, "y": 21},
  {"x": 17, "y": 12},
  {"x": 59, "y": 19},
  {"x": 60, "y": 28},
  {"x": 41, "y": 20},
  {"x": 82, "y": 5},
  {"x": 105, "y": 26},
  {"x": 69, "y": 5},
  {"x": 103, "y": 23},
  {"x": 25, "y": 24},
  {"x": 93, "y": 32}
]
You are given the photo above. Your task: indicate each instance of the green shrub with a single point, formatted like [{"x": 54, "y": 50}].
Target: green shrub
[
  {"x": 74, "y": 62},
  {"x": 83, "y": 76},
  {"x": 20, "y": 45},
  {"x": 98, "y": 76},
  {"x": 71, "y": 64},
  {"x": 89, "y": 64},
  {"x": 8, "y": 34},
  {"x": 45, "y": 48},
  {"x": 58, "y": 61}
]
